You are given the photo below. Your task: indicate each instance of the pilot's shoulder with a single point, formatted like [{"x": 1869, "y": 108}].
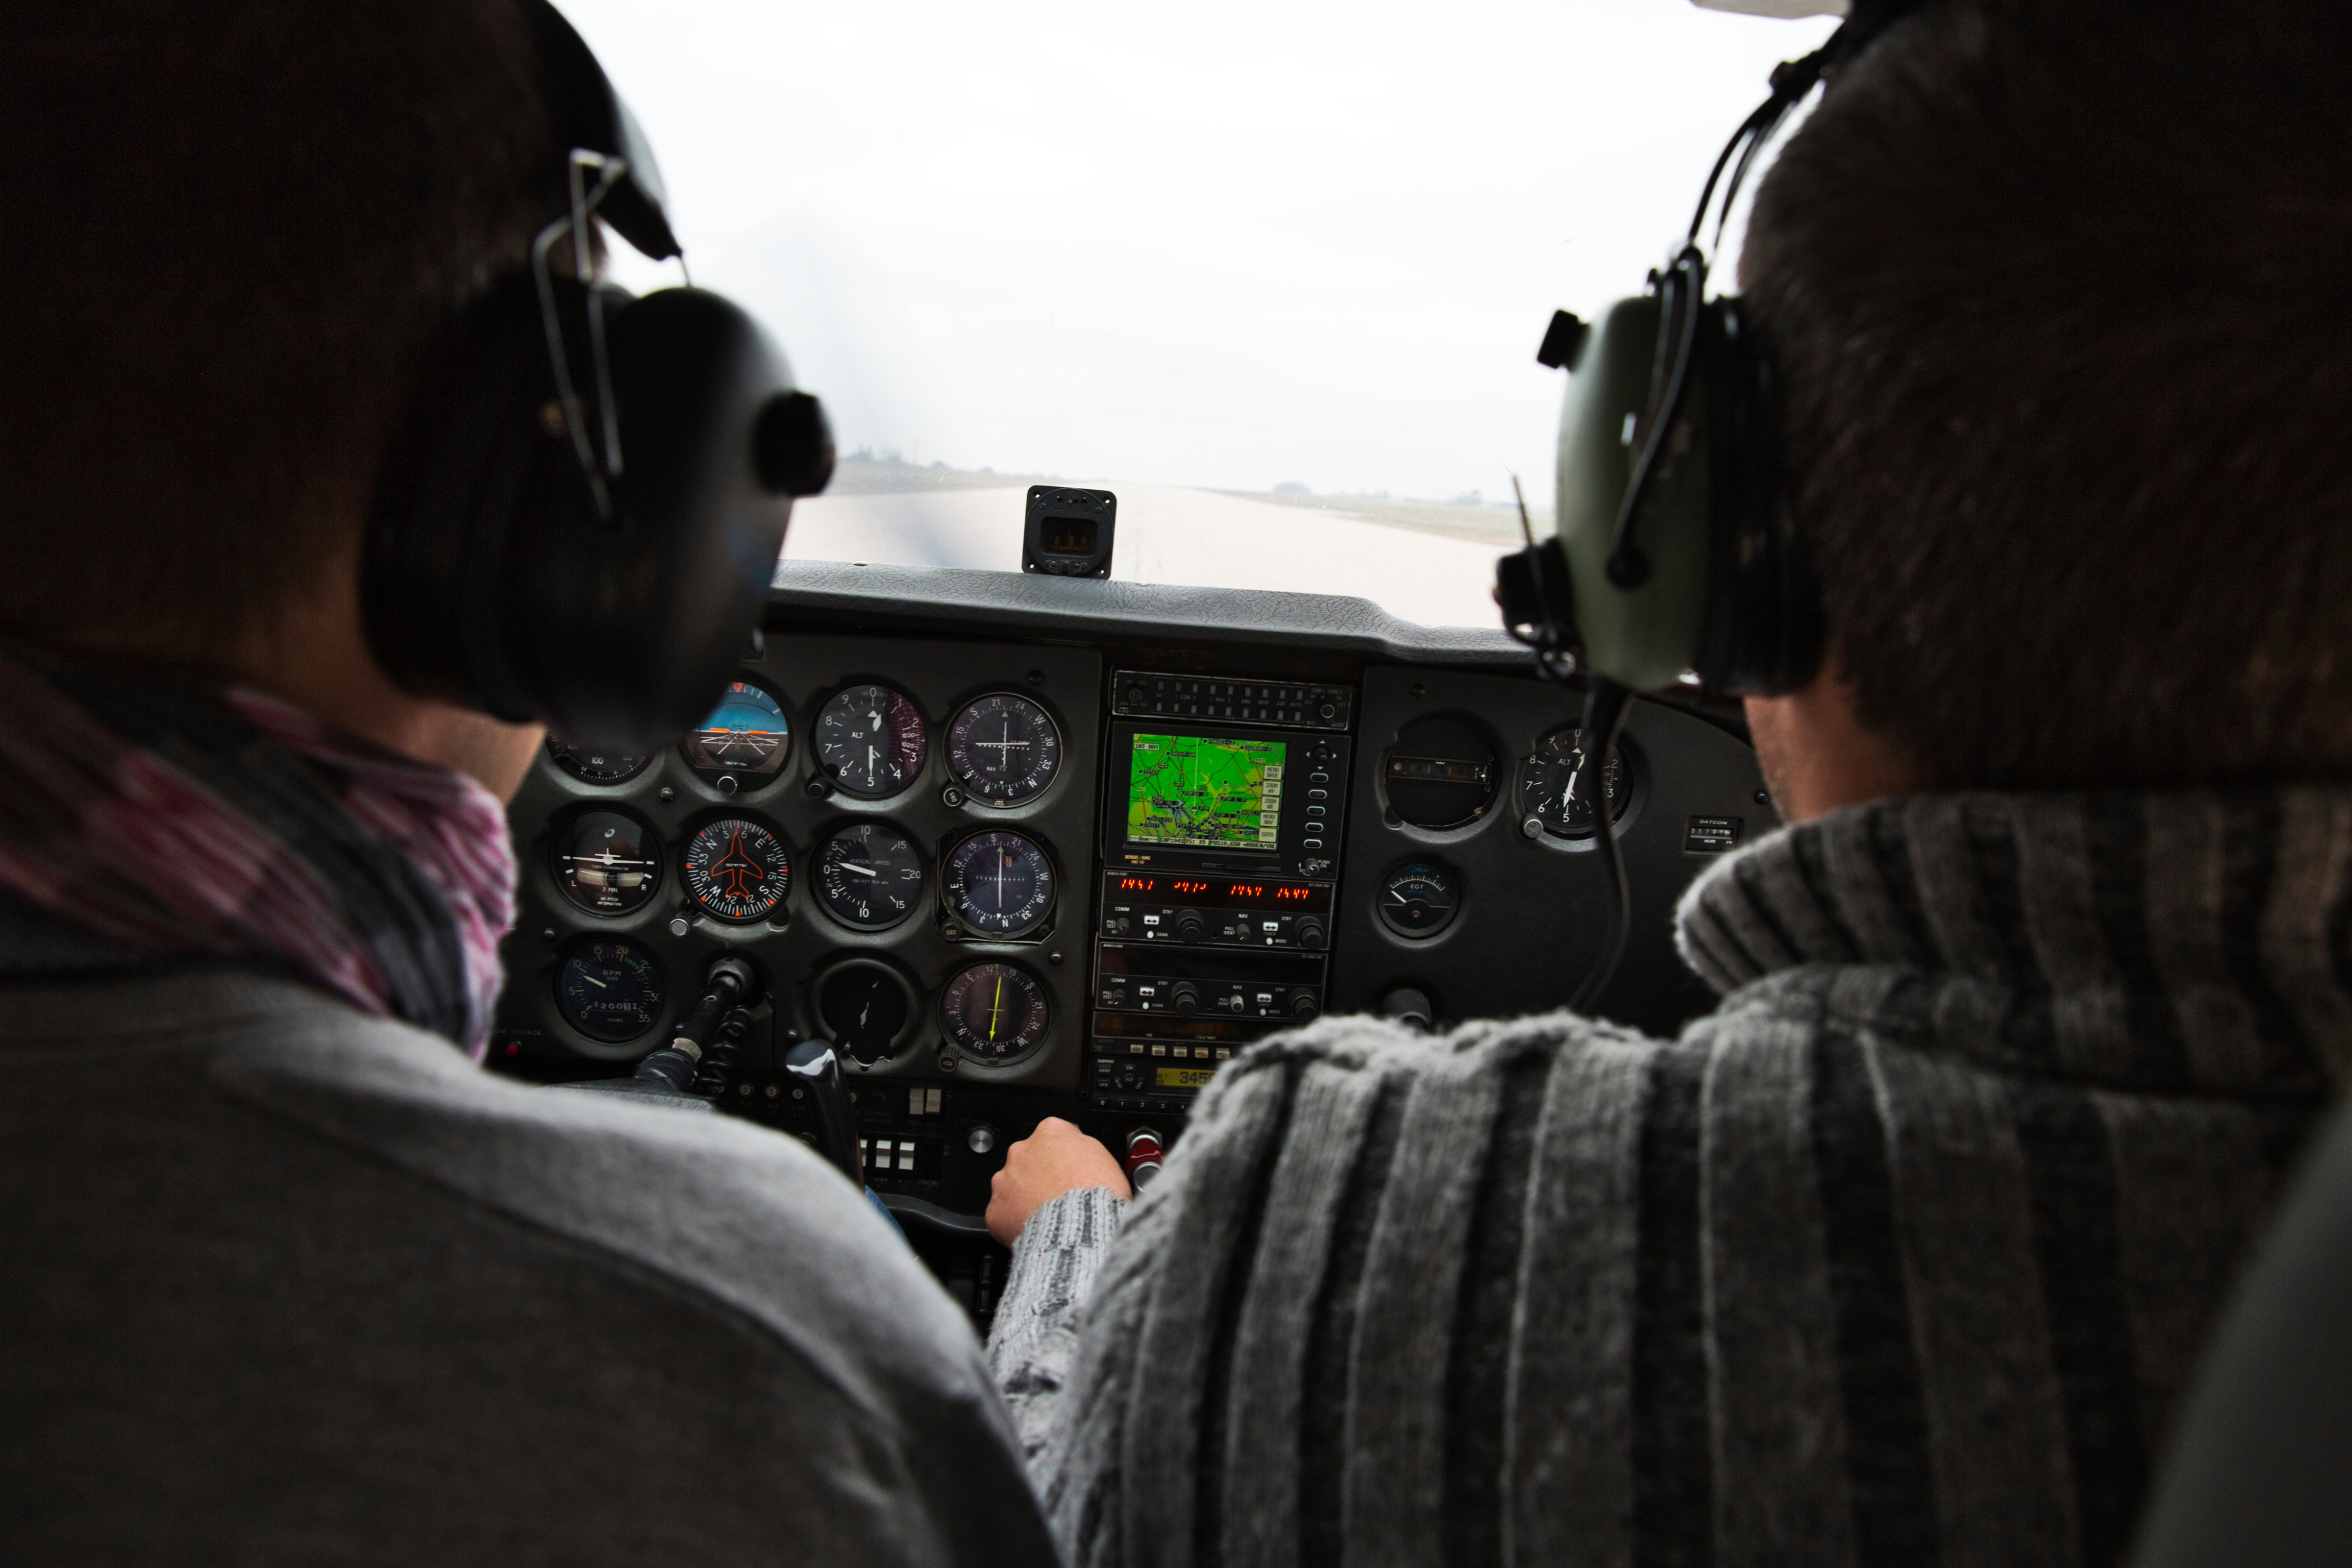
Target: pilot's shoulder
[
  {"x": 1377, "y": 1048},
  {"x": 749, "y": 1220}
]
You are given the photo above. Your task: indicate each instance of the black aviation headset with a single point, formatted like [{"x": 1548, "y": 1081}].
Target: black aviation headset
[
  {"x": 1677, "y": 559},
  {"x": 579, "y": 519}
]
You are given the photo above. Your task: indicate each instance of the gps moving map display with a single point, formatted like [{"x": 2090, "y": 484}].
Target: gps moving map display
[{"x": 1205, "y": 792}]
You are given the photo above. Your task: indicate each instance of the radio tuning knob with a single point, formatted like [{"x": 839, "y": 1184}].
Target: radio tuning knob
[
  {"x": 1309, "y": 931},
  {"x": 1190, "y": 927},
  {"x": 1303, "y": 1007},
  {"x": 1185, "y": 997}
]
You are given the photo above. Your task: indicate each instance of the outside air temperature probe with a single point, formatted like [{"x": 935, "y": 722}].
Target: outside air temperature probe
[{"x": 1069, "y": 532}]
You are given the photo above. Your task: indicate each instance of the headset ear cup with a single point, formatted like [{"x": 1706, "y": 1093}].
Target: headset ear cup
[
  {"x": 624, "y": 631},
  {"x": 491, "y": 580},
  {"x": 1764, "y": 632}
]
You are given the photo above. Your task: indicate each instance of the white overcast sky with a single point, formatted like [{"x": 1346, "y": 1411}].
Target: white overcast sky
[{"x": 1223, "y": 244}]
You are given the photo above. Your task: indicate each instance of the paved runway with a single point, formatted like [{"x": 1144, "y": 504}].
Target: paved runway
[{"x": 1170, "y": 535}]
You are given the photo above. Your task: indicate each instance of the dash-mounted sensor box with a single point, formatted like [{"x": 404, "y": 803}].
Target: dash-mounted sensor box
[{"x": 1069, "y": 532}]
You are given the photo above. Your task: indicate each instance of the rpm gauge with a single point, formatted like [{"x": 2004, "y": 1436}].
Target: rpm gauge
[
  {"x": 738, "y": 871},
  {"x": 870, "y": 741},
  {"x": 745, "y": 742},
  {"x": 999, "y": 883},
  {"x": 868, "y": 875},
  {"x": 607, "y": 862},
  {"x": 993, "y": 1012},
  {"x": 1004, "y": 749},
  {"x": 610, "y": 991},
  {"x": 1544, "y": 783}
]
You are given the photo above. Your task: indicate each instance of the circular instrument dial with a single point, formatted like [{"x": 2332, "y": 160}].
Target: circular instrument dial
[
  {"x": 607, "y": 862},
  {"x": 737, "y": 870},
  {"x": 999, "y": 883},
  {"x": 1544, "y": 786},
  {"x": 610, "y": 991},
  {"x": 1004, "y": 749},
  {"x": 1419, "y": 898},
  {"x": 596, "y": 764},
  {"x": 744, "y": 742},
  {"x": 993, "y": 1012},
  {"x": 869, "y": 876},
  {"x": 865, "y": 1007},
  {"x": 870, "y": 741}
]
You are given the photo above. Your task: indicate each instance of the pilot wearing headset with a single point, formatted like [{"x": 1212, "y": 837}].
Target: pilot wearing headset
[
  {"x": 318, "y": 504},
  {"x": 1905, "y": 1253}
]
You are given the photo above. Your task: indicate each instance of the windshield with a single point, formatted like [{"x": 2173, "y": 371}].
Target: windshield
[{"x": 1274, "y": 275}]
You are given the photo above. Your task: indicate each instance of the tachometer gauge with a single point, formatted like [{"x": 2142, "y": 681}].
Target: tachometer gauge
[
  {"x": 607, "y": 862},
  {"x": 869, "y": 876},
  {"x": 1004, "y": 749},
  {"x": 610, "y": 991},
  {"x": 864, "y": 1006},
  {"x": 744, "y": 742},
  {"x": 1544, "y": 781},
  {"x": 993, "y": 1012},
  {"x": 1419, "y": 898},
  {"x": 737, "y": 870},
  {"x": 870, "y": 741},
  {"x": 595, "y": 765},
  {"x": 999, "y": 883}
]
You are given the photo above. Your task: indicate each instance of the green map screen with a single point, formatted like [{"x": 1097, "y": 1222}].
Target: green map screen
[{"x": 1207, "y": 793}]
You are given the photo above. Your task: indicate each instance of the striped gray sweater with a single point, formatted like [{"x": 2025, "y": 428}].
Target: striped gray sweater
[{"x": 1900, "y": 1256}]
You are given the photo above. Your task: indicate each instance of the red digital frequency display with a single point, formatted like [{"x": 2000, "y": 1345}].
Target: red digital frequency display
[{"x": 1217, "y": 891}]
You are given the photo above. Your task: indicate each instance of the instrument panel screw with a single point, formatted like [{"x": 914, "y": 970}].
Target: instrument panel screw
[
  {"x": 1419, "y": 690},
  {"x": 667, "y": 795},
  {"x": 947, "y": 1061},
  {"x": 548, "y": 935},
  {"x": 1036, "y": 677},
  {"x": 1532, "y": 827},
  {"x": 1763, "y": 796},
  {"x": 1053, "y": 957}
]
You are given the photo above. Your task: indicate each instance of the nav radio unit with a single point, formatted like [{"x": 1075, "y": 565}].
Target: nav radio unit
[{"x": 1221, "y": 840}]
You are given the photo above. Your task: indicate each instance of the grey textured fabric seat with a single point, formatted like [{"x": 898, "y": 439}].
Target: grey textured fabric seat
[
  {"x": 285, "y": 1284},
  {"x": 2261, "y": 1473}
]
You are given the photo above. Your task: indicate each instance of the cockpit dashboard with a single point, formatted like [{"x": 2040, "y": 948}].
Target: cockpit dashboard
[{"x": 1019, "y": 846}]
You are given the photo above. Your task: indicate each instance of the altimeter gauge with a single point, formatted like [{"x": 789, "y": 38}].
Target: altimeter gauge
[
  {"x": 870, "y": 741},
  {"x": 1544, "y": 787},
  {"x": 737, "y": 870},
  {"x": 994, "y": 1013},
  {"x": 1004, "y": 749},
  {"x": 869, "y": 876}
]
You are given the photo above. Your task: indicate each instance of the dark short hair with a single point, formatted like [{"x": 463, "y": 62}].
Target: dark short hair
[
  {"x": 2061, "y": 291},
  {"x": 237, "y": 231}
]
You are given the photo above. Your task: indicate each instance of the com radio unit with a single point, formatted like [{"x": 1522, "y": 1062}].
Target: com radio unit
[{"x": 1224, "y": 804}]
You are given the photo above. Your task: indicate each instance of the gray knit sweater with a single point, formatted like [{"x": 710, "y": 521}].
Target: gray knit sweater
[{"x": 1900, "y": 1256}]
